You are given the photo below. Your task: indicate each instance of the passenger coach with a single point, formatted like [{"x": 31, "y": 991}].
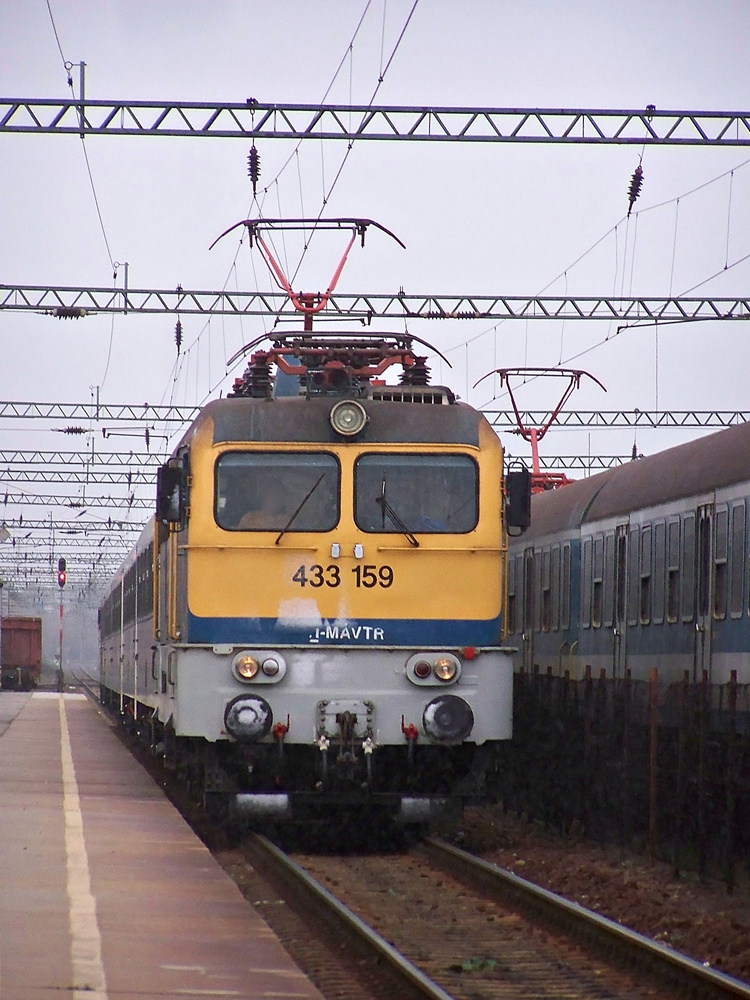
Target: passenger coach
[{"x": 642, "y": 566}]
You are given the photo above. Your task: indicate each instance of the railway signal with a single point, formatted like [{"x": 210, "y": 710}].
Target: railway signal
[{"x": 62, "y": 575}]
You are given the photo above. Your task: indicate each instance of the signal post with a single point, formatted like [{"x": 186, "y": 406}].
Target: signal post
[{"x": 62, "y": 577}]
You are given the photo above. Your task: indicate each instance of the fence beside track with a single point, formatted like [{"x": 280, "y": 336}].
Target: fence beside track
[{"x": 652, "y": 767}]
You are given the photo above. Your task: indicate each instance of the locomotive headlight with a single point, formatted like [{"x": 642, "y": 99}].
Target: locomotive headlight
[
  {"x": 245, "y": 667},
  {"x": 433, "y": 669},
  {"x": 422, "y": 669},
  {"x": 348, "y": 417},
  {"x": 445, "y": 669},
  {"x": 270, "y": 666}
]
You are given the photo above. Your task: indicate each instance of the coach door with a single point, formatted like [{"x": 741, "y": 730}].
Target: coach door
[
  {"x": 529, "y": 609},
  {"x": 703, "y": 587},
  {"x": 620, "y": 601}
]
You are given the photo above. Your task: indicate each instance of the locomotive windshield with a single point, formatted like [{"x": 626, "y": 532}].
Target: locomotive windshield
[
  {"x": 273, "y": 491},
  {"x": 427, "y": 494}
]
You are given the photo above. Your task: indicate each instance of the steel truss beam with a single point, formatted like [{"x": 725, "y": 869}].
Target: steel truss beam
[
  {"x": 71, "y": 526},
  {"x": 73, "y": 503},
  {"x": 66, "y": 302},
  {"x": 255, "y": 120},
  {"x": 503, "y": 419},
  {"x": 73, "y": 477},
  {"x": 578, "y": 463},
  {"x": 142, "y": 413},
  {"x": 128, "y": 459},
  {"x": 506, "y": 419}
]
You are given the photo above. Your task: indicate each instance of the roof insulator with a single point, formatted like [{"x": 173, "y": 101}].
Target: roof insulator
[
  {"x": 636, "y": 182},
  {"x": 253, "y": 166},
  {"x": 68, "y": 312}
]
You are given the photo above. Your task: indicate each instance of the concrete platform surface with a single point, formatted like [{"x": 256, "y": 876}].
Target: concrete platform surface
[{"x": 105, "y": 892}]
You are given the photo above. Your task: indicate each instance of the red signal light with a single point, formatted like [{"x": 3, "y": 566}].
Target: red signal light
[{"x": 62, "y": 577}]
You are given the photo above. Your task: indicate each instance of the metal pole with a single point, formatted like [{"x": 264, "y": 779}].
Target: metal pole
[
  {"x": 82, "y": 94},
  {"x": 652, "y": 760},
  {"x": 60, "y": 674}
]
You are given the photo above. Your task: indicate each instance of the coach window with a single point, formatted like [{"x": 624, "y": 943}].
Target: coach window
[
  {"x": 736, "y": 597},
  {"x": 426, "y": 494},
  {"x": 721, "y": 540},
  {"x": 537, "y": 599},
  {"x": 673, "y": 571},
  {"x": 510, "y": 620},
  {"x": 565, "y": 587},
  {"x": 657, "y": 606},
  {"x": 586, "y": 584},
  {"x": 645, "y": 576},
  {"x": 555, "y": 592},
  {"x": 271, "y": 491},
  {"x": 598, "y": 582},
  {"x": 633, "y": 577},
  {"x": 609, "y": 578},
  {"x": 546, "y": 618},
  {"x": 529, "y": 563},
  {"x": 688, "y": 567}
]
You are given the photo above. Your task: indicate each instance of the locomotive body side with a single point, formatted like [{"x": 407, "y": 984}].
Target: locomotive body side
[{"x": 325, "y": 621}]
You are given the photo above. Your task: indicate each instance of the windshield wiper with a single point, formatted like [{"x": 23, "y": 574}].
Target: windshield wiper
[
  {"x": 387, "y": 509},
  {"x": 291, "y": 520}
]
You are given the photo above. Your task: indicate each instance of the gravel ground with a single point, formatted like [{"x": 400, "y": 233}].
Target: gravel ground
[{"x": 697, "y": 918}]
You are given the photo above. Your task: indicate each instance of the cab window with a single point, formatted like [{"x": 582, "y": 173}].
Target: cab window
[
  {"x": 270, "y": 491},
  {"x": 427, "y": 494}
]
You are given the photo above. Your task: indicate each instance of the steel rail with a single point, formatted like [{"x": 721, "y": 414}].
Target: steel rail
[
  {"x": 252, "y": 119},
  {"x": 302, "y": 883},
  {"x": 603, "y": 933},
  {"x": 77, "y": 302}
]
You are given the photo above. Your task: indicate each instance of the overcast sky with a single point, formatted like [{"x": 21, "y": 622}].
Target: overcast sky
[{"x": 475, "y": 218}]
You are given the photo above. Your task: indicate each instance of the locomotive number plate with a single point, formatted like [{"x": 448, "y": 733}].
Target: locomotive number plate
[{"x": 367, "y": 576}]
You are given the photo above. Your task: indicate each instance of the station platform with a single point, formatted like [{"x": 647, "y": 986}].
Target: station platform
[{"x": 105, "y": 891}]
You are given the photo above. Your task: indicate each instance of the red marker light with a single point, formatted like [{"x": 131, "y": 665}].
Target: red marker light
[{"x": 470, "y": 652}]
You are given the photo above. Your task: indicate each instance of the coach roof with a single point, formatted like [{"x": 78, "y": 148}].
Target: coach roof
[{"x": 695, "y": 468}]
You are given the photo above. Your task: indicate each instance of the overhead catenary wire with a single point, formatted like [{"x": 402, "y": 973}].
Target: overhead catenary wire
[{"x": 613, "y": 230}]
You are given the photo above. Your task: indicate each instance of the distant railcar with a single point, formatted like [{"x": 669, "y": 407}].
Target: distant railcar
[
  {"x": 315, "y": 615},
  {"x": 642, "y": 566},
  {"x": 20, "y": 652}
]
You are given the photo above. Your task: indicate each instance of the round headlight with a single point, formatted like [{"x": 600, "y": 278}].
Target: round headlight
[
  {"x": 270, "y": 667},
  {"x": 448, "y": 719},
  {"x": 348, "y": 417},
  {"x": 422, "y": 669},
  {"x": 248, "y": 718},
  {"x": 445, "y": 669},
  {"x": 245, "y": 667}
]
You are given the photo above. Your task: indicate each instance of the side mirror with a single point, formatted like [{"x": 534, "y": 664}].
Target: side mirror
[
  {"x": 170, "y": 499},
  {"x": 518, "y": 503}
]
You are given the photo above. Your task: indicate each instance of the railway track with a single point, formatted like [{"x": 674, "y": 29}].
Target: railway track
[
  {"x": 439, "y": 923},
  {"x": 481, "y": 933}
]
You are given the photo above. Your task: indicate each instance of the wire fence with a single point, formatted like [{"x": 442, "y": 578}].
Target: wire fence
[{"x": 662, "y": 769}]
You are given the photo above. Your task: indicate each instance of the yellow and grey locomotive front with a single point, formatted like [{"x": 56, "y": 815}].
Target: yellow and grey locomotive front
[{"x": 328, "y": 593}]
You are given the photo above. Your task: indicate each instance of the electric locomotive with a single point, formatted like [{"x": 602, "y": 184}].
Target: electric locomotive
[{"x": 314, "y": 617}]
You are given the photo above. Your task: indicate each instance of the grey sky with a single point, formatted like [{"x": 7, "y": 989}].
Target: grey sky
[{"x": 475, "y": 218}]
